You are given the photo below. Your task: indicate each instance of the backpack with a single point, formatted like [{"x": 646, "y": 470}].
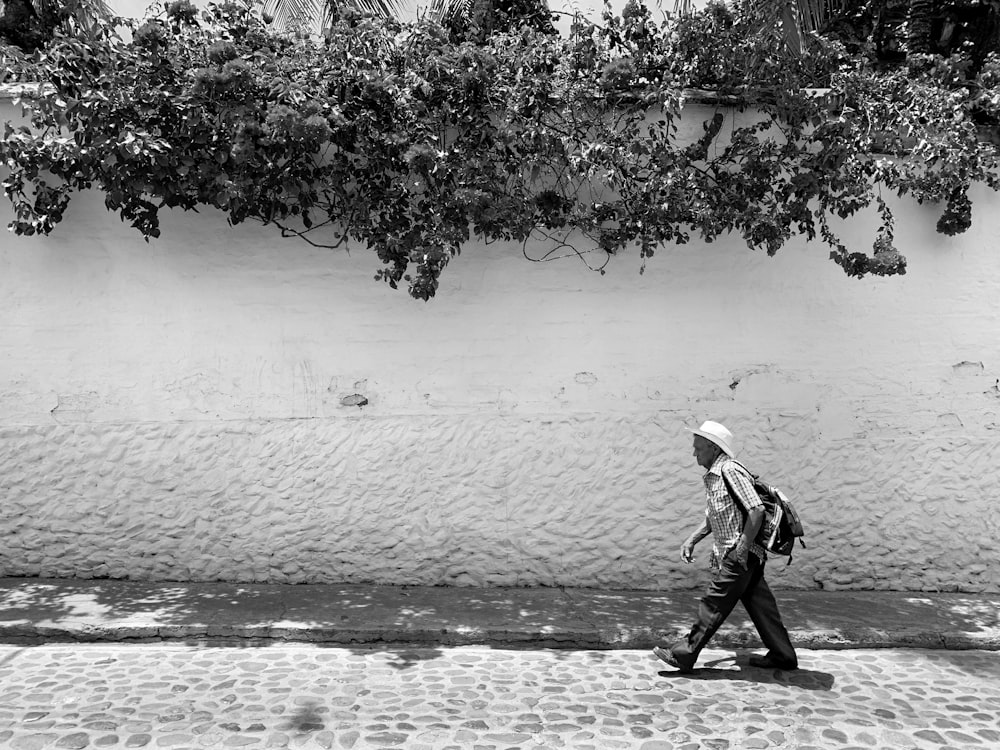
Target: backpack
[{"x": 781, "y": 525}]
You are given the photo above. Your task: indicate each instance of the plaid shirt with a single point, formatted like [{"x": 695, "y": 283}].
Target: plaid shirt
[{"x": 724, "y": 518}]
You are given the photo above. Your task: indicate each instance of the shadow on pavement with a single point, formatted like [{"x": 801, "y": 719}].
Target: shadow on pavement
[
  {"x": 402, "y": 656},
  {"x": 420, "y": 617},
  {"x": 345, "y": 615},
  {"x": 307, "y": 718},
  {"x": 908, "y": 612},
  {"x": 407, "y": 657},
  {"x": 981, "y": 664},
  {"x": 737, "y": 669},
  {"x": 801, "y": 679}
]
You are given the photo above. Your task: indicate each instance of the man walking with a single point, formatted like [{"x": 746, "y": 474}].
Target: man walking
[{"x": 733, "y": 520}]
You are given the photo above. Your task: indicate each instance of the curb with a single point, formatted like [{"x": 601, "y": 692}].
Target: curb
[
  {"x": 34, "y": 610},
  {"x": 635, "y": 638}
]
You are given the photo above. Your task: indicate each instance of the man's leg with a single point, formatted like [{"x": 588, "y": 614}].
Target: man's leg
[
  {"x": 723, "y": 592},
  {"x": 760, "y": 604}
]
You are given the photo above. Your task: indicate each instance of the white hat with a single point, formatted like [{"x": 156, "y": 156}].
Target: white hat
[{"x": 716, "y": 433}]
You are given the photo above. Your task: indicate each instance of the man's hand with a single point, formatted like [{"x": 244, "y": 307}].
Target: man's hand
[
  {"x": 687, "y": 551},
  {"x": 740, "y": 552}
]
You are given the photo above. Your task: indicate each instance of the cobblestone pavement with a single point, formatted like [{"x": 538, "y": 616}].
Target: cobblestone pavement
[{"x": 300, "y": 696}]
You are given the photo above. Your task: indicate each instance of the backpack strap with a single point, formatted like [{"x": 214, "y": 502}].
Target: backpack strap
[
  {"x": 729, "y": 487},
  {"x": 739, "y": 505}
]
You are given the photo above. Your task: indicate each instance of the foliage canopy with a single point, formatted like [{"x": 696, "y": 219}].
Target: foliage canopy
[{"x": 409, "y": 141}]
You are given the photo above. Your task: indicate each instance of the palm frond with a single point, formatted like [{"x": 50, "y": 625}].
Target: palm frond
[
  {"x": 443, "y": 10},
  {"x": 791, "y": 26},
  {"x": 82, "y": 16},
  {"x": 88, "y": 15},
  {"x": 380, "y": 8},
  {"x": 289, "y": 15},
  {"x": 684, "y": 7},
  {"x": 815, "y": 15},
  {"x": 783, "y": 13},
  {"x": 294, "y": 14}
]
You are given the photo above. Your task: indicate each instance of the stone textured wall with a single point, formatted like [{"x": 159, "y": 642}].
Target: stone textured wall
[{"x": 223, "y": 404}]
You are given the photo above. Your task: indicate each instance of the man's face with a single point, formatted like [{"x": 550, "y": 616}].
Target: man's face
[{"x": 705, "y": 451}]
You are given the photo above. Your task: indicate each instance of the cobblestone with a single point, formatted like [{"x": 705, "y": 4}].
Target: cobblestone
[{"x": 304, "y": 696}]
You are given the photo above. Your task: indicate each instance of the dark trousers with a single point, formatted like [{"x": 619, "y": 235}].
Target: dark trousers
[{"x": 735, "y": 584}]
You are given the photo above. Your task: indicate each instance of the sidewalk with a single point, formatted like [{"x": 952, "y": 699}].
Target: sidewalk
[{"x": 35, "y": 609}]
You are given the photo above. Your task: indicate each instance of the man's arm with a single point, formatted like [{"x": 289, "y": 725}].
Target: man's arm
[
  {"x": 745, "y": 495},
  {"x": 754, "y": 519},
  {"x": 687, "y": 549}
]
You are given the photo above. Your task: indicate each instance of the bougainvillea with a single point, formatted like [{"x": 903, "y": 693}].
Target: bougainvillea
[{"x": 397, "y": 138}]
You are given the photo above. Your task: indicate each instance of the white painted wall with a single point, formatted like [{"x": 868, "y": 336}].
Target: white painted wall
[{"x": 172, "y": 410}]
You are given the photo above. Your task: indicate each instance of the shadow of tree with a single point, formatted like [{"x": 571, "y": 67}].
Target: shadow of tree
[
  {"x": 405, "y": 658},
  {"x": 416, "y": 622},
  {"x": 54, "y": 600},
  {"x": 308, "y": 717},
  {"x": 342, "y": 615},
  {"x": 916, "y": 611}
]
